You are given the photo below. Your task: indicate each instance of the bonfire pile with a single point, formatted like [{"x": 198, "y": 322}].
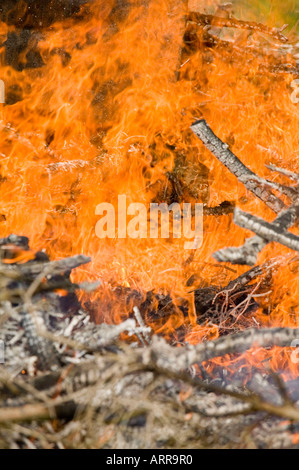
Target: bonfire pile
[{"x": 68, "y": 382}]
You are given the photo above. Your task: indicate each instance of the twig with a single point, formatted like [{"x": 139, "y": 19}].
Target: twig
[
  {"x": 290, "y": 174},
  {"x": 141, "y": 323}
]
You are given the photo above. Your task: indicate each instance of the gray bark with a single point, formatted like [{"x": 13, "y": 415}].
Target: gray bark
[
  {"x": 247, "y": 253},
  {"x": 258, "y": 186},
  {"x": 269, "y": 232}
]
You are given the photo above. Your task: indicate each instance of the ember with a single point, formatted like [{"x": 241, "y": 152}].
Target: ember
[{"x": 112, "y": 108}]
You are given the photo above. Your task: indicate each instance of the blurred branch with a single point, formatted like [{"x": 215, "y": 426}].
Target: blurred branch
[{"x": 257, "y": 185}]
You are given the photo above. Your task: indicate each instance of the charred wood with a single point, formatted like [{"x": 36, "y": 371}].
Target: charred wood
[
  {"x": 287, "y": 216},
  {"x": 257, "y": 185}
]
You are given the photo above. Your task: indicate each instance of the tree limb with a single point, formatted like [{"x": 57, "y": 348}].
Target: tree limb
[{"x": 257, "y": 185}]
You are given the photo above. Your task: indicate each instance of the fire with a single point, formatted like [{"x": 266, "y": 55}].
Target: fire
[{"x": 100, "y": 104}]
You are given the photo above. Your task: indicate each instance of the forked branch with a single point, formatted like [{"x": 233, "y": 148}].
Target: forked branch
[{"x": 260, "y": 187}]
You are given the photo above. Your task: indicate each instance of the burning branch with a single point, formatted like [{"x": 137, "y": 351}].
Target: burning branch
[
  {"x": 265, "y": 232},
  {"x": 258, "y": 186},
  {"x": 269, "y": 232},
  {"x": 247, "y": 253},
  {"x": 232, "y": 344}
]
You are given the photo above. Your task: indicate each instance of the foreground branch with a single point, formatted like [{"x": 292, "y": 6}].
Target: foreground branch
[
  {"x": 163, "y": 355},
  {"x": 180, "y": 359},
  {"x": 160, "y": 358},
  {"x": 38, "y": 411}
]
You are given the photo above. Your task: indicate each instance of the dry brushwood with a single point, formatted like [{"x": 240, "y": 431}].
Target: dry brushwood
[
  {"x": 29, "y": 297},
  {"x": 163, "y": 356},
  {"x": 81, "y": 374},
  {"x": 145, "y": 387},
  {"x": 231, "y": 307}
]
